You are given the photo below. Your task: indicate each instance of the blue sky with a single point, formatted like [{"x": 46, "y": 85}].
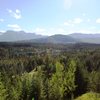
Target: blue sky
[{"x": 49, "y": 17}]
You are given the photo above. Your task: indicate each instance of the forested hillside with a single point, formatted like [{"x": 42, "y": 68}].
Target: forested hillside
[{"x": 48, "y": 72}]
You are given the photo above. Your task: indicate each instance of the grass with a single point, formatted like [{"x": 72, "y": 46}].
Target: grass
[{"x": 89, "y": 96}]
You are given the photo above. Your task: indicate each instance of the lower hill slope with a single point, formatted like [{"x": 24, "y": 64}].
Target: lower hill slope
[{"x": 89, "y": 96}]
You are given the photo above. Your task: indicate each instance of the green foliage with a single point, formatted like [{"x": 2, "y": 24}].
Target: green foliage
[
  {"x": 62, "y": 82},
  {"x": 94, "y": 82},
  {"x": 81, "y": 79},
  {"x": 3, "y": 93},
  {"x": 30, "y": 73},
  {"x": 56, "y": 83},
  {"x": 69, "y": 78},
  {"x": 89, "y": 96}
]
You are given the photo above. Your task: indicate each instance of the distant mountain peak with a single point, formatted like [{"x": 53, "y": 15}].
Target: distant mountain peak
[
  {"x": 56, "y": 39},
  {"x": 11, "y": 35}
]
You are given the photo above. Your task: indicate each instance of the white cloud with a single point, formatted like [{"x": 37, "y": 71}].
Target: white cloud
[
  {"x": 15, "y": 27},
  {"x": 66, "y": 23},
  {"x": 79, "y": 31},
  {"x": 67, "y": 4},
  {"x": 49, "y": 31},
  {"x": 73, "y": 22},
  {"x": 18, "y": 11},
  {"x": 42, "y": 31},
  {"x": 16, "y": 14},
  {"x": 60, "y": 30},
  {"x": 1, "y": 20},
  {"x": 85, "y": 31},
  {"x": 2, "y": 31},
  {"x": 98, "y": 20},
  {"x": 69, "y": 23},
  {"x": 77, "y": 20},
  {"x": 57, "y": 30}
]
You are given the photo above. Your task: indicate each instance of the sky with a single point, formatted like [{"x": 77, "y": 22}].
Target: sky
[{"x": 48, "y": 17}]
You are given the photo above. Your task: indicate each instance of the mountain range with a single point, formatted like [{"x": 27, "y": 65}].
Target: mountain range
[
  {"x": 10, "y": 36},
  {"x": 87, "y": 38},
  {"x": 21, "y": 36},
  {"x": 57, "y": 39}
]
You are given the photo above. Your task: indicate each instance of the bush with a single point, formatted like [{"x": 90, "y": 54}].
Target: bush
[{"x": 89, "y": 96}]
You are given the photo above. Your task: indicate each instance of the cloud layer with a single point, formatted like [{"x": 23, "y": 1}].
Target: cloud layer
[
  {"x": 98, "y": 20},
  {"x": 15, "y": 27},
  {"x": 16, "y": 14}
]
